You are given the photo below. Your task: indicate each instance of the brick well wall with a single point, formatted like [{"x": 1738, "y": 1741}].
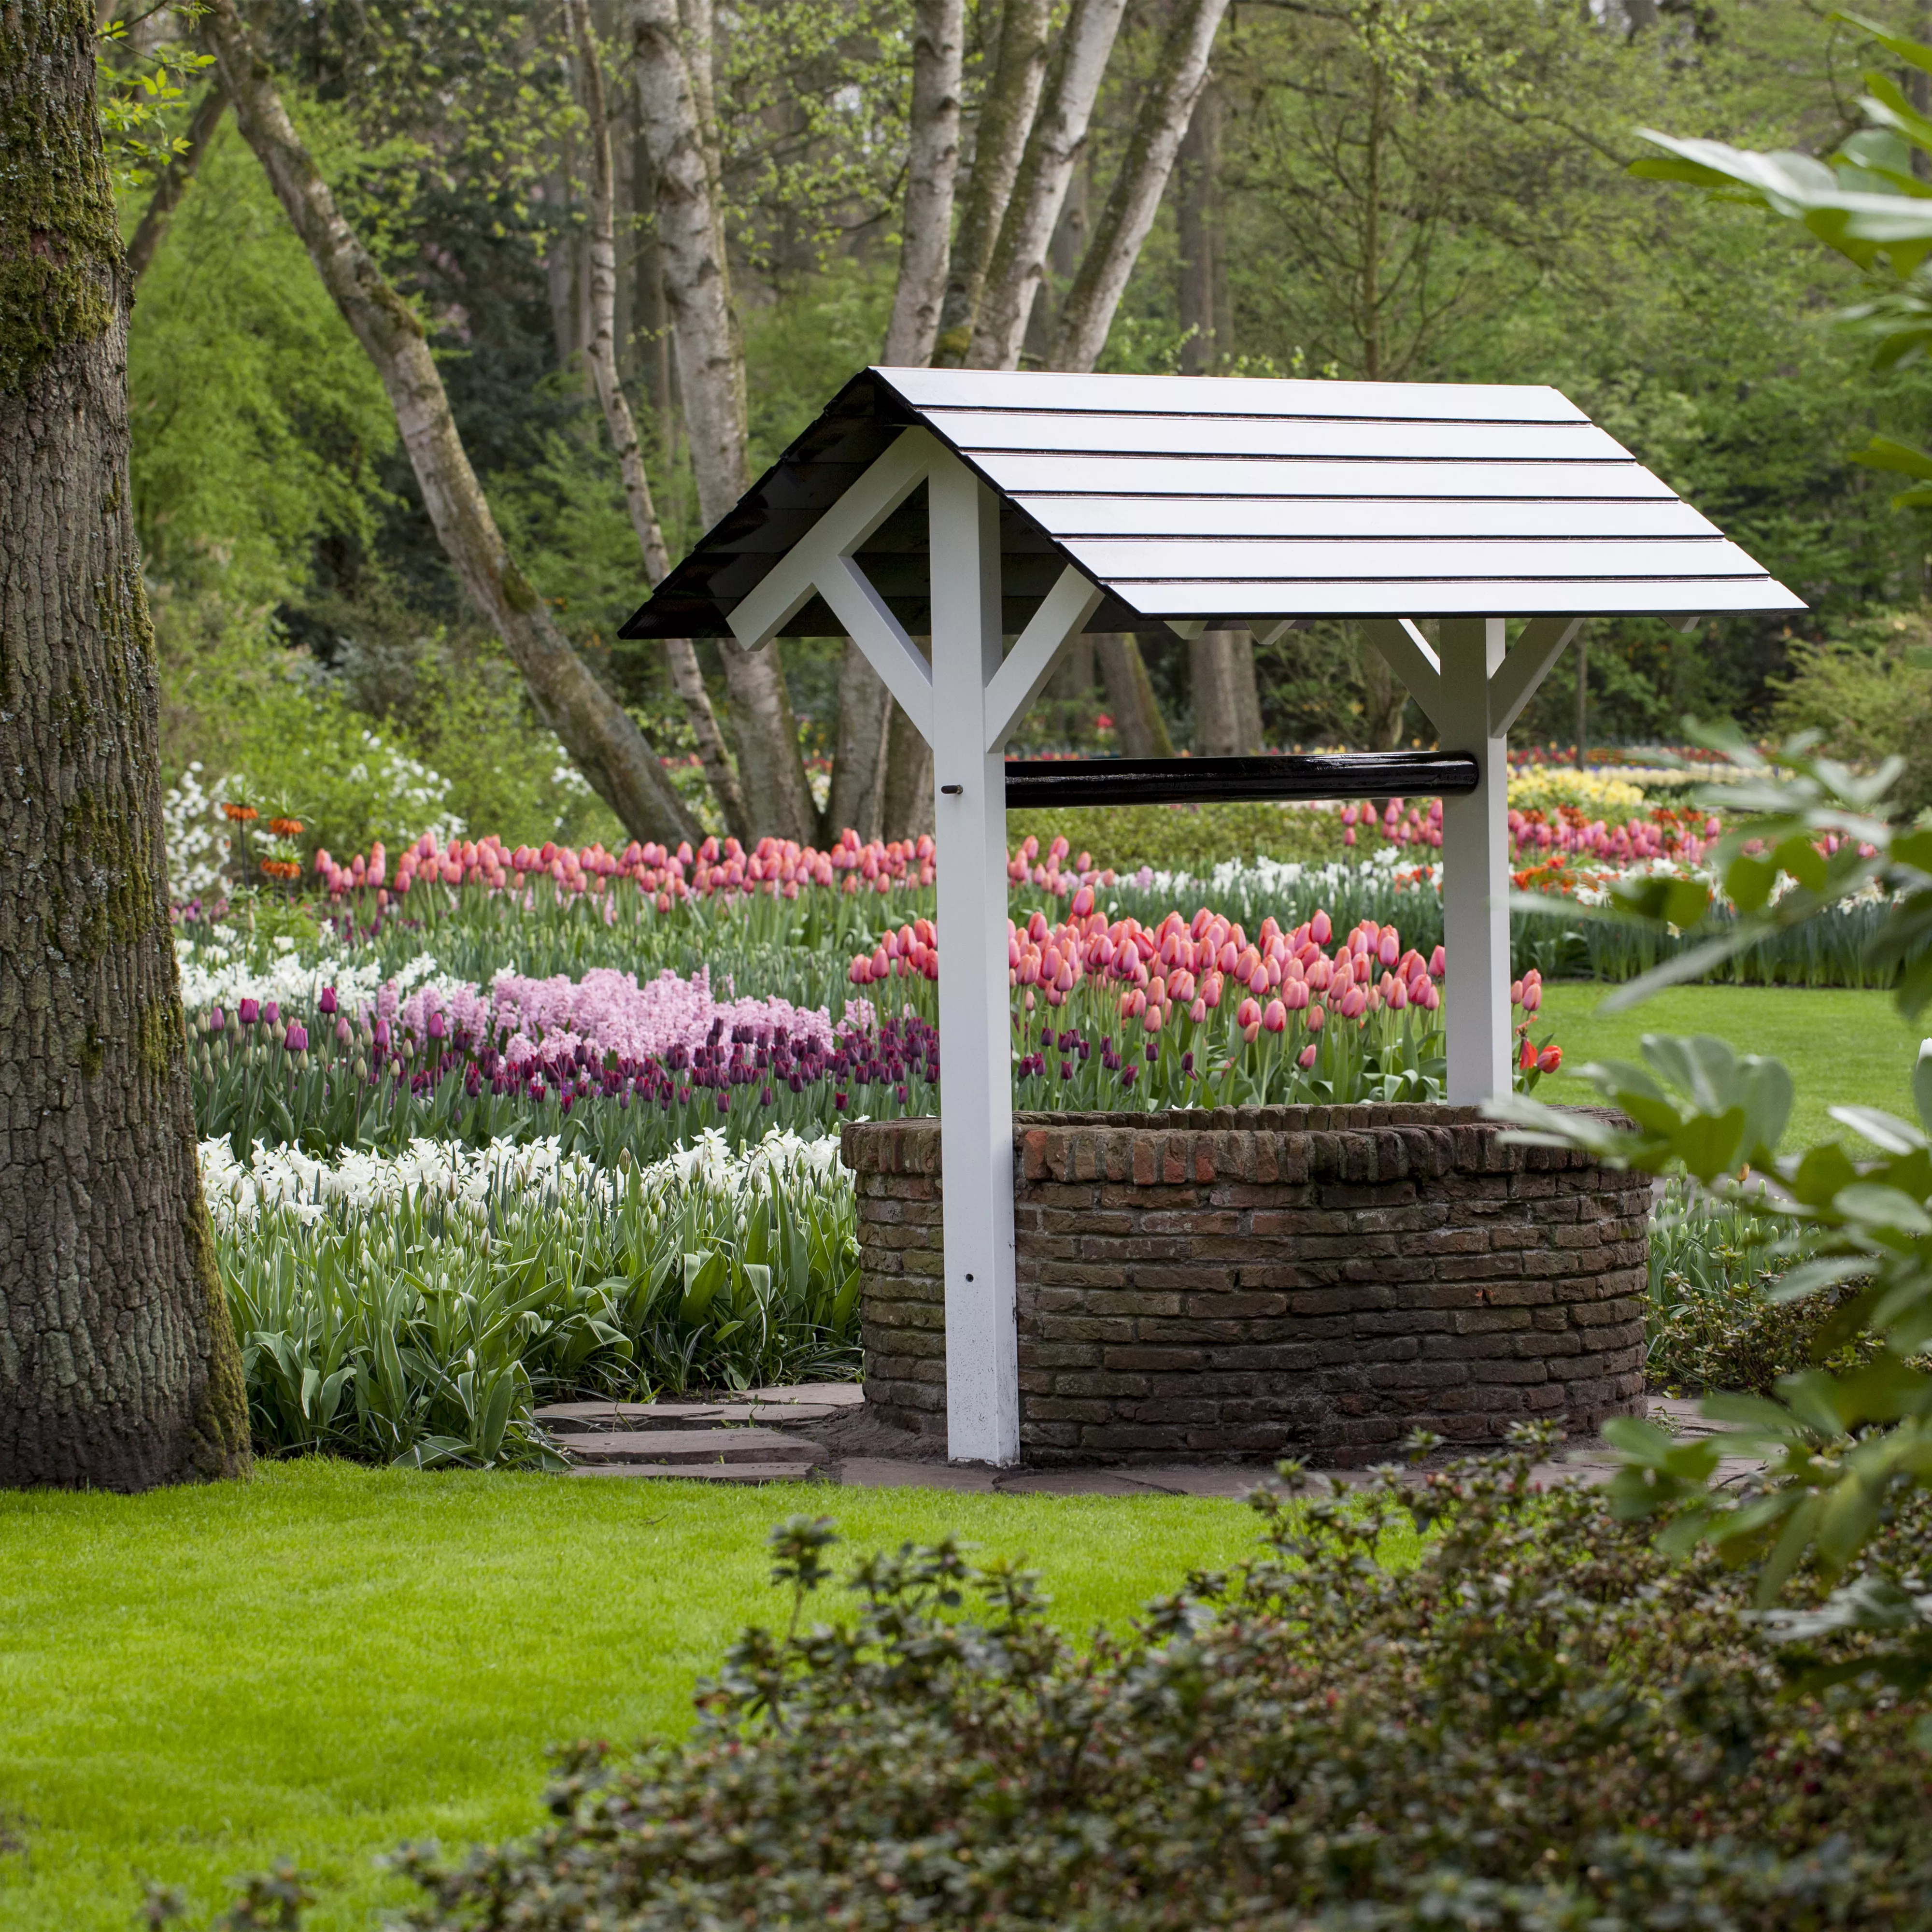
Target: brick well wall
[{"x": 1254, "y": 1282}]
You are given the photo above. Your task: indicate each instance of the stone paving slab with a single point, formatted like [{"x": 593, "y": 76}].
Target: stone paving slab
[
  {"x": 690, "y": 1445},
  {"x": 702, "y": 1472}
]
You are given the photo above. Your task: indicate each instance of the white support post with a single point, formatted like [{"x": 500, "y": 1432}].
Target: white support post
[
  {"x": 1475, "y": 866},
  {"x": 976, "y": 1127}
]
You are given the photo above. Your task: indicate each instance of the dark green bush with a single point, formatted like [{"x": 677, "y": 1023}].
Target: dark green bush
[{"x": 1542, "y": 1724}]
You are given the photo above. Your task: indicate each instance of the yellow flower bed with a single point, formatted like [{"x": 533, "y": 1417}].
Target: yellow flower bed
[{"x": 1544, "y": 787}]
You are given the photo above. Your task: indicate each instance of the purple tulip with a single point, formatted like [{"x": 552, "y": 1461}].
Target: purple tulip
[
  {"x": 342, "y": 1033},
  {"x": 327, "y": 1002},
  {"x": 382, "y": 1035},
  {"x": 297, "y": 1039},
  {"x": 271, "y": 1012},
  {"x": 248, "y": 1012},
  {"x": 216, "y": 1019},
  {"x": 437, "y": 1028}
]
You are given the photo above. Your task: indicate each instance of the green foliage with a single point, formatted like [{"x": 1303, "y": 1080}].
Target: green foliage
[
  {"x": 1187, "y": 838},
  {"x": 1543, "y": 1723},
  {"x": 260, "y": 425}
]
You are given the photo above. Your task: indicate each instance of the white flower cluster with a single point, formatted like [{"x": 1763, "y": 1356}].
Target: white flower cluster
[
  {"x": 1264, "y": 875},
  {"x": 416, "y": 797},
  {"x": 528, "y": 1171},
  {"x": 216, "y": 972},
  {"x": 191, "y": 829}
]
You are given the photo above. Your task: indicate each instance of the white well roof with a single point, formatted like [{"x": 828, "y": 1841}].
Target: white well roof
[{"x": 1222, "y": 499}]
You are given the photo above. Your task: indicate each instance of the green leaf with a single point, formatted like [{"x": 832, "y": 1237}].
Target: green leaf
[{"x": 1661, "y": 901}]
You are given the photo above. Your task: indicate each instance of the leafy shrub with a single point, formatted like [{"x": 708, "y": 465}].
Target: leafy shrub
[
  {"x": 1863, "y": 693},
  {"x": 1542, "y": 1724},
  {"x": 1187, "y": 838}
]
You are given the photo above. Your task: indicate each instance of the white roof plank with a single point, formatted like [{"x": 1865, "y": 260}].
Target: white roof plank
[
  {"x": 1460, "y": 597},
  {"x": 972, "y": 431},
  {"x": 1223, "y": 560},
  {"x": 934, "y": 389},
  {"x": 1072, "y": 517},
  {"x": 1369, "y": 483}
]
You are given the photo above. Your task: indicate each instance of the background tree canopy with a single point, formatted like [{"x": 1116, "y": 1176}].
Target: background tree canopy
[{"x": 1405, "y": 189}]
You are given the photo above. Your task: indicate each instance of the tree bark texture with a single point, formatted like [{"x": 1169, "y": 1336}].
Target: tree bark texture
[
  {"x": 857, "y": 797},
  {"x": 173, "y": 184},
  {"x": 1137, "y": 723},
  {"x": 1006, "y": 112},
  {"x": 932, "y": 168},
  {"x": 1167, "y": 105},
  {"x": 1227, "y": 714},
  {"x": 1053, "y": 150},
  {"x": 601, "y": 352},
  {"x": 1384, "y": 699},
  {"x": 1198, "y": 226},
  {"x": 673, "y": 105},
  {"x": 119, "y": 1367},
  {"x": 908, "y": 811},
  {"x": 595, "y": 729}
]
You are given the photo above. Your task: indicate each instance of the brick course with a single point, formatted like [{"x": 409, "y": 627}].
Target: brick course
[{"x": 1312, "y": 1281}]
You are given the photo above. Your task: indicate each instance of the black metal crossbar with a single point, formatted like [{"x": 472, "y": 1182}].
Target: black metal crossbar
[{"x": 1063, "y": 782}]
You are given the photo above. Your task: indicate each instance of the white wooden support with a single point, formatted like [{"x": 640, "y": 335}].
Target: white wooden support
[
  {"x": 1414, "y": 662},
  {"x": 1062, "y": 612},
  {"x": 975, "y": 1122},
  {"x": 1541, "y": 644},
  {"x": 1475, "y": 866}
]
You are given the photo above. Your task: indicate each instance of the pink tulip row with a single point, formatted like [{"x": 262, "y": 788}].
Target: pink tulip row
[{"x": 778, "y": 868}]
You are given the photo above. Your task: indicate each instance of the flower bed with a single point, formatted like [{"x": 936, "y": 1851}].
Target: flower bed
[{"x": 415, "y": 1308}]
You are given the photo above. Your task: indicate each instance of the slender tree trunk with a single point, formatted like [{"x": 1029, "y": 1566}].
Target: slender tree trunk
[
  {"x": 600, "y": 351},
  {"x": 119, "y": 1367},
  {"x": 932, "y": 167},
  {"x": 1166, "y": 107},
  {"x": 1005, "y": 117},
  {"x": 1138, "y": 723},
  {"x": 1053, "y": 150},
  {"x": 1384, "y": 699},
  {"x": 908, "y": 801},
  {"x": 859, "y": 778},
  {"x": 1197, "y": 220},
  {"x": 1227, "y": 710},
  {"x": 1582, "y": 656},
  {"x": 173, "y": 184},
  {"x": 673, "y": 94},
  {"x": 598, "y": 733}
]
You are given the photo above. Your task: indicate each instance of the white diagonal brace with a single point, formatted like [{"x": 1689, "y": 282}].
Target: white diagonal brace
[
  {"x": 1526, "y": 666},
  {"x": 1411, "y": 658},
  {"x": 1063, "y": 613},
  {"x": 870, "y": 624},
  {"x": 791, "y": 583}
]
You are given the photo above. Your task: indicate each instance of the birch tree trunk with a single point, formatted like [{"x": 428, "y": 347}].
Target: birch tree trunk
[
  {"x": 932, "y": 166},
  {"x": 1165, "y": 108},
  {"x": 1052, "y": 151},
  {"x": 119, "y": 1367},
  {"x": 598, "y": 733},
  {"x": 601, "y": 352},
  {"x": 672, "y": 103},
  {"x": 173, "y": 184},
  {"x": 1006, "y": 112}
]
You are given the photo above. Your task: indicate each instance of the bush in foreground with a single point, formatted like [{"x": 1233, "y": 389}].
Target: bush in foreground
[{"x": 1542, "y": 1724}]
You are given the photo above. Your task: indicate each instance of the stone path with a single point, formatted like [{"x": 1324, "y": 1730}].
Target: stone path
[{"x": 820, "y": 1432}]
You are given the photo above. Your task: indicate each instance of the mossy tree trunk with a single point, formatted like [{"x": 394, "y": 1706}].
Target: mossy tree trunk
[{"x": 118, "y": 1368}]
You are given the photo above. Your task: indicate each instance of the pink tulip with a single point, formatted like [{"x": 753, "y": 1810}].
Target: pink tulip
[
  {"x": 1319, "y": 930},
  {"x": 1306, "y": 1058},
  {"x": 1549, "y": 1059},
  {"x": 1247, "y": 1014},
  {"x": 1316, "y": 1018},
  {"x": 1275, "y": 1018}
]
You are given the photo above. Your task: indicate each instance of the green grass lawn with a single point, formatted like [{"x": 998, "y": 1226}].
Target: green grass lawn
[
  {"x": 328, "y": 1660},
  {"x": 1842, "y": 1047}
]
